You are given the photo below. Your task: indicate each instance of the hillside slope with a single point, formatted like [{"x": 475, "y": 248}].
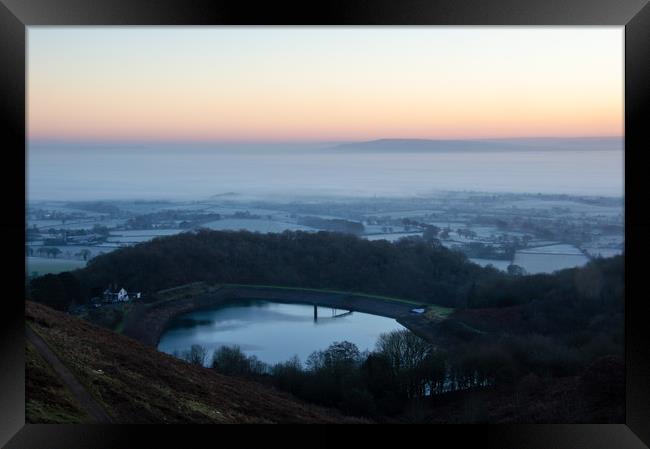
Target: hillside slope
[
  {"x": 137, "y": 384},
  {"x": 47, "y": 399}
]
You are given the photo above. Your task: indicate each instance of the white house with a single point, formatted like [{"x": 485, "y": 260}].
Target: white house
[{"x": 120, "y": 296}]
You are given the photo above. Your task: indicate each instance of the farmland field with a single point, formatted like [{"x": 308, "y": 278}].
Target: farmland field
[
  {"x": 140, "y": 235},
  {"x": 72, "y": 251},
  {"x": 253, "y": 225},
  {"x": 553, "y": 249},
  {"x": 557, "y": 257},
  {"x": 574, "y": 206},
  {"x": 603, "y": 252},
  {"x": 392, "y": 237},
  {"x": 45, "y": 265}
]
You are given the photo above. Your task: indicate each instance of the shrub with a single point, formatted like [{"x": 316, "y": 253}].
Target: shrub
[{"x": 231, "y": 361}]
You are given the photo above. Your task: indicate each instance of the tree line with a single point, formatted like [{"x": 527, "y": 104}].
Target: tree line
[
  {"x": 402, "y": 368},
  {"x": 412, "y": 268}
]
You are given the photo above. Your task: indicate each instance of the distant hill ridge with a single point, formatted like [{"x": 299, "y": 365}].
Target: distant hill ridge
[{"x": 483, "y": 145}]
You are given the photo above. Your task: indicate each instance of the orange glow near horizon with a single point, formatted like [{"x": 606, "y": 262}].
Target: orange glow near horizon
[{"x": 323, "y": 84}]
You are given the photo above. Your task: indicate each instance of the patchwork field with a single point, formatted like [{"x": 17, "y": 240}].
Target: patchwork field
[
  {"x": 138, "y": 236},
  {"x": 254, "y": 225},
  {"x": 392, "y": 237},
  {"x": 547, "y": 263},
  {"x": 45, "y": 265}
]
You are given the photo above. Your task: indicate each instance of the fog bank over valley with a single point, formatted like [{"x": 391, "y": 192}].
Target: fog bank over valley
[{"x": 386, "y": 167}]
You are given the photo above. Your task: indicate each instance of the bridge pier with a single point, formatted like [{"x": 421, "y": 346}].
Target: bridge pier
[{"x": 315, "y": 313}]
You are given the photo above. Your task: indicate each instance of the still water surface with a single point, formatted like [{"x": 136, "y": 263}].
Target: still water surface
[{"x": 273, "y": 332}]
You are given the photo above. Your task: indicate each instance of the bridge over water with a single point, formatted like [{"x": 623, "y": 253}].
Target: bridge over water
[{"x": 335, "y": 313}]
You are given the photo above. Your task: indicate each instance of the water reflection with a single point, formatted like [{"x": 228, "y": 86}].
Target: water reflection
[{"x": 273, "y": 332}]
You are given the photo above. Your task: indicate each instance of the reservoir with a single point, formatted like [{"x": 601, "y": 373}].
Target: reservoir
[{"x": 273, "y": 332}]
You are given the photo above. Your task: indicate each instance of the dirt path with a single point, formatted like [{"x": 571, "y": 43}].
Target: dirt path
[{"x": 79, "y": 392}]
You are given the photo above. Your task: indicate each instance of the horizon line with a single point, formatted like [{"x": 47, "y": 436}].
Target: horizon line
[{"x": 143, "y": 141}]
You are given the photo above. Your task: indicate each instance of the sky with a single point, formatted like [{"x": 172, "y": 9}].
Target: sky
[{"x": 322, "y": 84}]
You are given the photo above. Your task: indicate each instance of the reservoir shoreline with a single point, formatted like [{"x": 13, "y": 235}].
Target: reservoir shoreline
[{"x": 148, "y": 322}]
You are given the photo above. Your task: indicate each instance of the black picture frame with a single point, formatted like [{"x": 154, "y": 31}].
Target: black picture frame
[{"x": 634, "y": 15}]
